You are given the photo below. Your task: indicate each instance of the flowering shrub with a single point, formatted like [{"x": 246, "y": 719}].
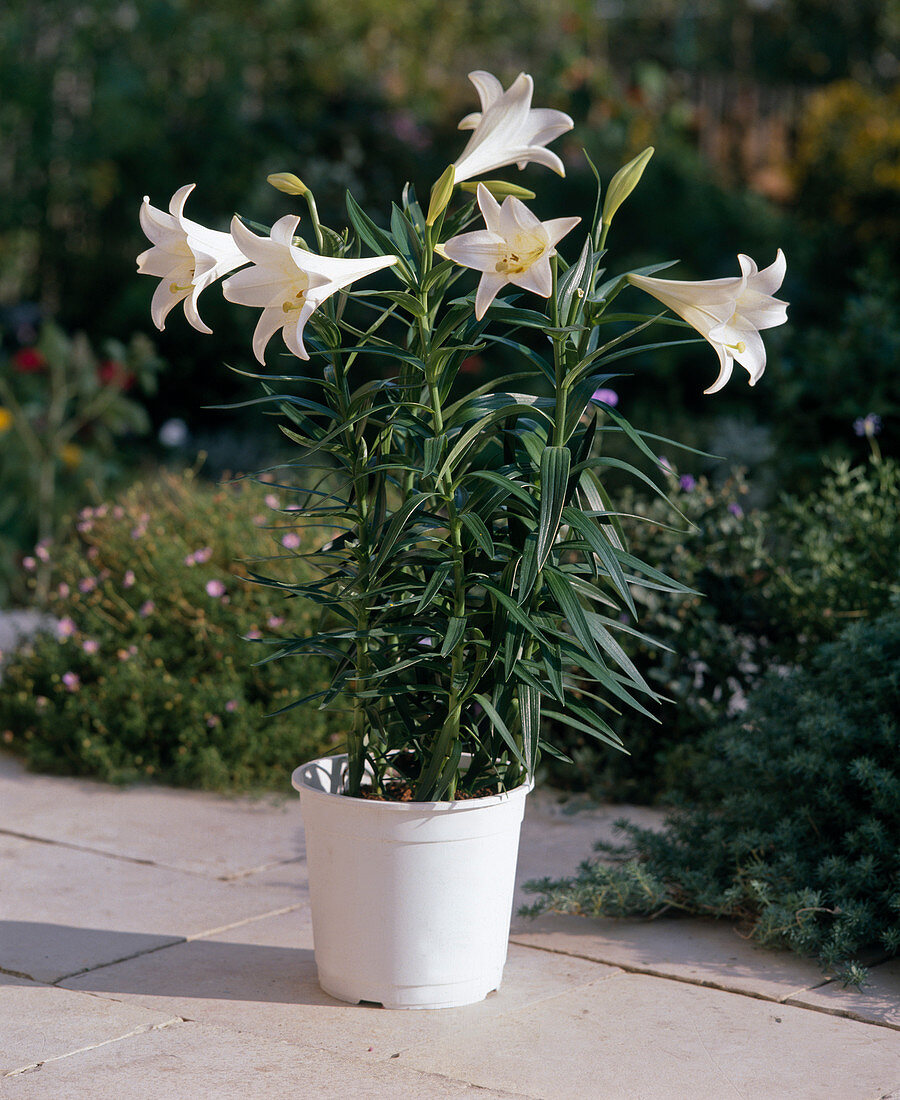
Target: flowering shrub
[
  {"x": 151, "y": 670},
  {"x": 63, "y": 408},
  {"x": 769, "y": 587}
]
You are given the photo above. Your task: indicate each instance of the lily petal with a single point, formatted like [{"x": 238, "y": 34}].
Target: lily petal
[
  {"x": 508, "y": 130},
  {"x": 729, "y": 313}
]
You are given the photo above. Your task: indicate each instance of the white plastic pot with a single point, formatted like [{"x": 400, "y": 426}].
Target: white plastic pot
[{"x": 411, "y": 901}]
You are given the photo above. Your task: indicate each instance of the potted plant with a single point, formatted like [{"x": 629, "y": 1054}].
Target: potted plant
[{"x": 473, "y": 572}]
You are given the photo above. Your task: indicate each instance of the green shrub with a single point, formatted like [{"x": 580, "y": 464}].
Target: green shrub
[
  {"x": 149, "y": 674},
  {"x": 773, "y": 586},
  {"x": 794, "y": 815},
  {"x": 64, "y": 414}
]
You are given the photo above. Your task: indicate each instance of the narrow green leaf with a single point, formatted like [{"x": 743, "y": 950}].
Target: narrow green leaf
[
  {"x": 568, "y": 720},
  {"x": 555, "y": 465},
  {"x": 455, "y": 629},
  {"x": 530, "y": 716},
  {"x": 500, "y": 726},
  {"x": 434, "y": 448},
  {"x": 596, "y": 540},
  {"x": 475, "y": 526},
  {"x": 571, "y": 609}
]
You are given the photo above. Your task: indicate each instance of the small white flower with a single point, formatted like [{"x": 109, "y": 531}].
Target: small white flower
[
  {"x": 507, "y": 130},
  {"x": 174, "y": 431},
  {"x": 288, "y": 283},
  {"x": 729, "y": 313},
  {"x": 515, "y": 248},
  {"x": 186, "y": 257}
]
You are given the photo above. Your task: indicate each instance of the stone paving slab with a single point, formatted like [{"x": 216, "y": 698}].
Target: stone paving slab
[
  {"x": 560, "y": 832},
  {"x": 185, "y": 830},
  {"x": 65, "y": 910},
  {"x": 878, "y": 1002},
  {"x": 705, "y": 952},
  {"x": 189, "y": 1061},
  {"x": 39, "y": 1022},
  {"x": 261, "y": 978},
  {"x": 635, "y": 1036}
]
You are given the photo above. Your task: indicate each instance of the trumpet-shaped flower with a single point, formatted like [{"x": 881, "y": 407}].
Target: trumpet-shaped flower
[
  {"x": 288, "y": 283},
  {"x": 186, "y": 257},
  {"x": 729, "y": 313},
  {"x": 515, "y": 248},
  {"x": 507, "y": 130}
]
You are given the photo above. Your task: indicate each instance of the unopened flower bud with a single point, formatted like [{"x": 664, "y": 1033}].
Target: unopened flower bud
[
  {"x": 440, "y": 194},
  {"x": 499, "y": 189},
  {"x": 288, "y": 183},
  {"x": 624, "y": 182}
]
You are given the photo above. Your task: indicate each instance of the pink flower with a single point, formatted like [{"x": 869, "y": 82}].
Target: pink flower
[
  {"x": 83, "y": 526},
  {"x": 213, "y": 720},
  {"x": 272, "y": 501},
  {"x": 63, "y": 591},
  {"x": 138, "y": 532},
  {"x": 190, "y": 560},
  {"x": 87, "y": 584},
  {"x": 608, "y": 397},
  {"x": 128, "y": 579},
  {"x": 42, "y": 552},
  {"x": 252, "y": 635},
  {"x": 65, "y": 628},
  {"x": 215, "y": 589},
  {"x": 122, "y": 654},
  {"x": 89, "y": 645},
  {"x": 146, "y": 608},
  {"x": 118, "y": 512},
  {"x": 203, "y": 555},
  {"x": 92, "y": 553},
  {"x": 291, "y": 540},
  {"x": 29, "y": 563},
  {"x": 231, "y": 706},
  {"x": 260, "y": 520},
  {"x": 71, "y": 680}
]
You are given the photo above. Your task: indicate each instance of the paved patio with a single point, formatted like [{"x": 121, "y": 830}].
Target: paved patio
[{"x": 157, "y": 944}]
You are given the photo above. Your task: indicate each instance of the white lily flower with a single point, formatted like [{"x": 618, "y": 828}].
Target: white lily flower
[
  {"x": 729, "y": 313},
  {"x": 185, "y": 256},
  {"x": 287, "y": 282},
  {"x": 507, "y": 130},
  {"x": 515, "y": 248}
]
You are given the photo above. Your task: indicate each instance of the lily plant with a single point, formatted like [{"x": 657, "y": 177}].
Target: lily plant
[{"x": 474, "y": 580}]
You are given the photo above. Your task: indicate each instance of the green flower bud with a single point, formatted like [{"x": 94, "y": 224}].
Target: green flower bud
[
  {"x": 623, "y": 183},
  {"x": 288, "y": 183},
  {"x": 499, "y": 189},
  {"x": 440, "y": 195}
]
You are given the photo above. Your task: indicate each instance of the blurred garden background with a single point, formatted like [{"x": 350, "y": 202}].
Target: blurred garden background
[{"x": 776, "y": 123}]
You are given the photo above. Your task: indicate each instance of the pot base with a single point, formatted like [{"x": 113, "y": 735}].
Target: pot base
[{"x": 452, "y": 995}]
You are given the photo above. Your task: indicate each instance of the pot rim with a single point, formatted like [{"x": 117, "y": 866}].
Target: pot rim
[{"x": 456, "y": 806}]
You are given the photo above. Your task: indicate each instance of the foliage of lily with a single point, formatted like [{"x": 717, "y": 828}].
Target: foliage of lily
[{"x": 473, "y": 573}]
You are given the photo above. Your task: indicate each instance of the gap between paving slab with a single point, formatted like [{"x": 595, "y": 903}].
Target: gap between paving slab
[{"x": 769, "y": 975}]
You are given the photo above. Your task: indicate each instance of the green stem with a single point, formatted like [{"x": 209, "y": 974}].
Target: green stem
[
  {"x": 559, "y": 365},
  {"x": 449, "y": 734}
]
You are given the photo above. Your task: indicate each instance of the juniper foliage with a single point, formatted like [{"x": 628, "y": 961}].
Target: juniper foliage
[{"x": 795, "y": 827}]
